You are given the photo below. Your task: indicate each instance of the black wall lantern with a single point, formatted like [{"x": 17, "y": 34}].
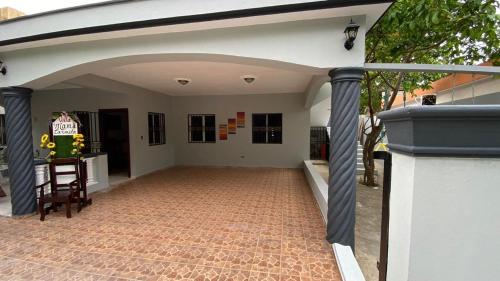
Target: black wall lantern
[
  {"x": 351, "y": 31},
  {"x": 3, "y": 69}
]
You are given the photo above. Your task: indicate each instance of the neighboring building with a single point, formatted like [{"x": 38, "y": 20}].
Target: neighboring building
[
  {"x": 9, "y": 13},
  {"x": 458, "y": 88}
]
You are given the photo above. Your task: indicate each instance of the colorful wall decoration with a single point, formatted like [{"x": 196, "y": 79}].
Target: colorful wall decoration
[
  {"x": 231, "y": 125},
  {"x": 222, "y": 131},
  {"x": 240, "y": 119}
]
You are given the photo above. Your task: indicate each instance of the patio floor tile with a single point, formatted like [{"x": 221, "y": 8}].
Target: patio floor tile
[{"x": 220, "y": 224}]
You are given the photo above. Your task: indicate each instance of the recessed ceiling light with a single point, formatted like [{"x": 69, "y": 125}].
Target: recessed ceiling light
[
  {"x": 249, "y": 78},
  {"x": 183, "y": 81}
]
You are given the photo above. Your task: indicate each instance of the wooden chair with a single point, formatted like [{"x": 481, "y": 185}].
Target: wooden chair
[
  {"x": 62, "y": 193},
  {"x": 83, "y": 184}
]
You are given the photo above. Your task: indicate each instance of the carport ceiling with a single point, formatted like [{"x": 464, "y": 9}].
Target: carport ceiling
[{"x": 208, "y": 78}]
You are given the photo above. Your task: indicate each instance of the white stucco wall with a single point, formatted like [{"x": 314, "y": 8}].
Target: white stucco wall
[
  {"x": 315, "y": 46},
  {"x": 238, "y": 150},
  {"x": 402, "y": 186},
  {"x": 144, "y": 158},
  {"x": 320, "y": 113},
  {"x": 444, "y": 222}
]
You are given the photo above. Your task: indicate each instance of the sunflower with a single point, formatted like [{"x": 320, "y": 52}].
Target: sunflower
[
  {"x": 77, "y": 136},
  {"x": 44, "y": 138},
  {"x": 52, "y": 153},
  {"x": 51, "y": 145}
]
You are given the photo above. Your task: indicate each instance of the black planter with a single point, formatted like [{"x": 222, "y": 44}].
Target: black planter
[{"x": 446, "y": 130}]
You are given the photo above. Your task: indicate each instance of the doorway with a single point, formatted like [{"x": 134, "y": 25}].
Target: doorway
[{"x": 115, "y": 140}]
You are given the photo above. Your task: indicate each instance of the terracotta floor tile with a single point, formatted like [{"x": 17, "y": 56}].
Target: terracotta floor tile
[
  {"x": 240, "y": 260},
  {"x": 322, "y": 269},
  {"x": 263, "y": 276},
  {"x": 206, "y": 273},
  {"x": 266, "y": 262},
  {"x": 179, "y": 224},
  {"x": 214, "y": 258},
  {"x": 295, "y": 266},
  {"x": 234, "y": 275},
  {"x": 269, "y": 245},
  {"x": 177, "y": 271},
  {"x": 293, "y": 246}
]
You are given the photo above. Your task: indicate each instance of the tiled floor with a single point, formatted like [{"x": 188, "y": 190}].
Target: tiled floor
[{"x": 179, "y": 224}]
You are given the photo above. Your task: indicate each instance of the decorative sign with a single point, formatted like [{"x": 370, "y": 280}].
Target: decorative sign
[
  {"x": 222, "y": 132},
  {"x": 64, "y": 125},
  {"x": 231, "y": 125},
  {"x": 240, "y": 119}
]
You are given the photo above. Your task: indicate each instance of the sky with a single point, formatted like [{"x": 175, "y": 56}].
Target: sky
[{"x": 38, "y": 6}]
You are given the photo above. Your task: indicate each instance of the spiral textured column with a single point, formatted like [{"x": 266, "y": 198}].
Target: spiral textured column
[
  {"x": 346, "y": 89},
  {"x": 17, "y": 103}
]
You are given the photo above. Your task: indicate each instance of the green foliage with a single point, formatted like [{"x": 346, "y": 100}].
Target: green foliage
[
  {"x": 424, "y": 32},
  {"x": 429, "y": 32}
]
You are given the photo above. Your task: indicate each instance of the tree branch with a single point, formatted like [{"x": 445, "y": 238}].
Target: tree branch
[
  {"x": 370, "y": 105},
  {"x": 373, "y": 49},
  {"x": 395, "y": 91},
  {"x": 386, "y": 81}
]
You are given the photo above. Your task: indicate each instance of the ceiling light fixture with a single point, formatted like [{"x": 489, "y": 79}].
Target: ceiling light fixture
[
  {"x": 248, "y": 78},
  {"x": 183, "y": 81}
]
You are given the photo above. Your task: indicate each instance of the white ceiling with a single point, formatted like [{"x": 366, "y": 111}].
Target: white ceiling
[{"x": 208, "y": 78}]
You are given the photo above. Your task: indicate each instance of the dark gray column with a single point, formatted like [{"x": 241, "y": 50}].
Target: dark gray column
[
  {"x": 17, "y": 103},
  {"x": 346, "y": 89}
]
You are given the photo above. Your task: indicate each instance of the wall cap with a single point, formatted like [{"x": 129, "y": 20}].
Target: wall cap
[{"x": 444, "y": 130}]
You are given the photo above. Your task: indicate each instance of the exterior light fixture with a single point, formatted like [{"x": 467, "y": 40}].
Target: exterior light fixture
[
  {"x": 351, "y": 31},
  {"x": 248, "y": 78},
  {"x": 3, "y": 69},
  {"x": 183, "y": 81}
]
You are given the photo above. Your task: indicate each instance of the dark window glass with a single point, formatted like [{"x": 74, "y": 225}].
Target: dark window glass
[
  {"x": 150, "y": 128},
  {"x": 196, "y": 128},
  {"x": 274, "y": 128},
  {"x": 156, "y": 128},
  {"x": 201, "y": 128},
  {"x": 209, "y": 128},
  {"x": 84, "y": 117},
  {"x": 267, "y": 128},
  {"x": 157, "y": 122},
  {"x": 259, "y": 123}
]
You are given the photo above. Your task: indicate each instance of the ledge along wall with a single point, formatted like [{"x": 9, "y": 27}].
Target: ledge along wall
[
  {"x": 238, "y": 149},
  {"x": 143, "y": 158}
]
